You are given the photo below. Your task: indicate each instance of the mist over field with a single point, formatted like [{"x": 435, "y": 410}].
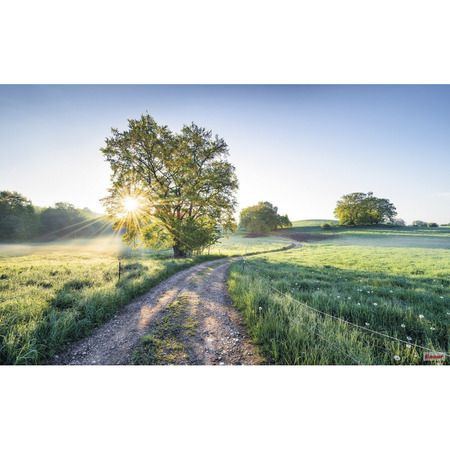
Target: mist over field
[{"x": 76, "y": 247}]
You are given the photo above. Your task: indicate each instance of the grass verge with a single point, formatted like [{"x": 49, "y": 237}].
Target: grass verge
[
  {"x": 54, "y": 303},
  {"x": 400, "y": 291}
]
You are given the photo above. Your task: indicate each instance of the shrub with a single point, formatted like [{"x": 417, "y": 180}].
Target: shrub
[
  {"x": 263, "y": 218},
  {"x": 399, "y": 222},
  {"x": 433, "y": 224}
]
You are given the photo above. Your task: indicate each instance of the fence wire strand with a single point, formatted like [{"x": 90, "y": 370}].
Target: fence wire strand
[{"x": 351, "y": 323}]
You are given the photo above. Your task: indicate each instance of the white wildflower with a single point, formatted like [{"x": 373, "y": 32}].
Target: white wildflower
[
  {"x": 397, "y": 358},
  {"x": 260, "y": 308},
  {"x": 403, "y": 325},
  {"x": 367, "y": 324},
  {"x": 359, "y": 304},
  {"x": 408, "y": 345},
  {"x": 375, "y": 304},
  {"x": 409, "y": 338},
  {"x": 421, "y": 316},
  {"x": 432, "y": 328}
]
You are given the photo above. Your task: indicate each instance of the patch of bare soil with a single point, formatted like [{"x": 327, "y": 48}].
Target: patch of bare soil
[{"x": 204, "y": 328}]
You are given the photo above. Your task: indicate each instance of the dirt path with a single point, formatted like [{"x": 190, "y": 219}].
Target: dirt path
[{"x": 192, "y": 320}]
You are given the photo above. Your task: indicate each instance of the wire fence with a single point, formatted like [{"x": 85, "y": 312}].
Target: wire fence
[
  {"x": 245, "y": 264},
  {"x": 121, "y": 266}
]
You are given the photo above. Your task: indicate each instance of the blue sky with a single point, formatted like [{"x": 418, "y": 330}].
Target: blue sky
[{"x": 300, "y": 147}]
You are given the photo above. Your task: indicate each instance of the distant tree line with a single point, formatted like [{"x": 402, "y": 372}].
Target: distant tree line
[
  {"x": 357, "y": 209},
  {"x": 262, "y": 218},
  {"x": 420, "y": 223},
  {"x": 20, "y": 221}
]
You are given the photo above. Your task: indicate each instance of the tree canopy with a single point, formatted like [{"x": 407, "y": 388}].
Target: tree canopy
[
  {"x": 18, "y": 219},
  {"x": 170, "y": 189},
  {"x": 262, "y": 218},
  {"x": 364, "y": 209}
]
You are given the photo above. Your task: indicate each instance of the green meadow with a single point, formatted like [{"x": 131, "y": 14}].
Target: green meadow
[
  {"x": 239, "y": 244},
  {"x": 56, "y": 293},
  {"x": 395, "y": 281}
]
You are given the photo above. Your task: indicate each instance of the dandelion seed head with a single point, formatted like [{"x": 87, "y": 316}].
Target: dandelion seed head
[{"x": 421, "y": 316}]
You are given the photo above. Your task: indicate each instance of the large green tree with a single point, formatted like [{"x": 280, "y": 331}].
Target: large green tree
[
  {"x": 170, "y": 189},
  {"x": 18, "y": 218},
  {"x": 262, "y": 218},
  {"x": 364, "y": 209}
]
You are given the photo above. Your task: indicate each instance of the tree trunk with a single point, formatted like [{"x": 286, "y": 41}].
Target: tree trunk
[{"x": 177, "y": 252}]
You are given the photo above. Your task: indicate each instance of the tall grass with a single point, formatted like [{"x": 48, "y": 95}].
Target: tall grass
[
  {"x": 389, "y": 288},
  {"x": 57, "y": 293},
  {"x": 52, "y": 304}
]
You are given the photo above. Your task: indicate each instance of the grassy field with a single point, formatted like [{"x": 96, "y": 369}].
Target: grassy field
[
  {"x": 394, "y": 281},
  {"x": 239, "y": 244},
  {"x": 52, "y": 294}
]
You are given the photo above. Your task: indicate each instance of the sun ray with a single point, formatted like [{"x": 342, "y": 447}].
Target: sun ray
[
  {"x": 101, "y": 230},
  {"x": 73, "y": 232},
  {"x": 69, "y": 226}
]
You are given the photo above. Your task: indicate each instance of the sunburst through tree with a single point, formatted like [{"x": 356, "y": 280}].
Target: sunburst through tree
[{"x": 170, "y": 189}]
